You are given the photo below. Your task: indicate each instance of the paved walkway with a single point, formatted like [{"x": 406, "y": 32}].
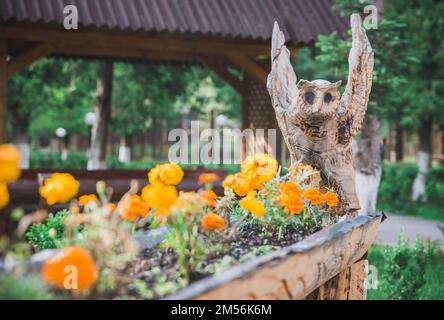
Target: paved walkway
[{"x": 390, "y": 228}]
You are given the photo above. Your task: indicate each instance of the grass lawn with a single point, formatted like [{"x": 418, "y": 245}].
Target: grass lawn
[{"x": 433, "y": 287}]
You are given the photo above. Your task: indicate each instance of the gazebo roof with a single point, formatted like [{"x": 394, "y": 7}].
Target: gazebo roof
[{"x": 301, "y": 20}]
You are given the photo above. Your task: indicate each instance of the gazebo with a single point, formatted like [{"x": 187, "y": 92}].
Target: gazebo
[{"x": 217, "y": 34}]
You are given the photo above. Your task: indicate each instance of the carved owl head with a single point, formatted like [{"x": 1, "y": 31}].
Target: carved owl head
[{"x": 318, "y": 98}]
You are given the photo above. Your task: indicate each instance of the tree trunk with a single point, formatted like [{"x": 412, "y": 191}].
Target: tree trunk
[
  {"x": 399, "y": 143},
  {"x": 367, "y": 153},
  {"x": 424, "y": 152},
  {"x": 124, "y": 150},
  {"x": 20, "y": 120},
  {"x": 3, "y": 91},
  {"x": 99, "y": 136}
]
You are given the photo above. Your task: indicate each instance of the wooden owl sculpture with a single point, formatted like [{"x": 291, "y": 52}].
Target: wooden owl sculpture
[{"x": 317, "y": 123}]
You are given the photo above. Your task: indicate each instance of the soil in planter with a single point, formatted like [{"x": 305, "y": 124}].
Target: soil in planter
[{"x": 156, "y": 274}]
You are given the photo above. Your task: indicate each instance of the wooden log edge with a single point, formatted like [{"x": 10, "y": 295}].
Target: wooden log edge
[{"x": 295, "y": 271}]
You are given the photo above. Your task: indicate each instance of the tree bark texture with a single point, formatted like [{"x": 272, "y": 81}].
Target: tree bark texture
[
  {"x": 99, "y": 136},
  {"x": 317, "y": 123},
  {"x": 424, "y": 152},
  {"x": 367, "y": 151},
  {"x": 3, "y": 91}
]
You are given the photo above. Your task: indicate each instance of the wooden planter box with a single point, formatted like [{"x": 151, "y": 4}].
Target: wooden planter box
[{"x": 330, "y": 264}]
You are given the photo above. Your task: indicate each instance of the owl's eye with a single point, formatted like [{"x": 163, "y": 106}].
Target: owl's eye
[
  {"x": 327, "y": 97},
  {"x": 309, "y": 97}
]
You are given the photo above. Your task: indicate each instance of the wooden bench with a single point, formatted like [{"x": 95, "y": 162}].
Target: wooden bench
[{"x": 24, "y": 193}]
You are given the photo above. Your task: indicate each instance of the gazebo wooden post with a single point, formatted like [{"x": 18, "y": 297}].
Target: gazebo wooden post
[{"x": 3, "y": 90}]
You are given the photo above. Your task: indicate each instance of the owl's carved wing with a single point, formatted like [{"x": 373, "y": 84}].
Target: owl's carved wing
[
  {"x": 281, "y": 82},
  {"x": 353, "y": 104}
]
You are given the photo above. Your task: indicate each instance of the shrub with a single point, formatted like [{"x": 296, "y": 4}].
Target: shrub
[
  {"x": 396, "y": 187},
  {"x": 404, "y": 268},
  {"x": 53, "y": 160},
  {"x": 46, "y": 236}
]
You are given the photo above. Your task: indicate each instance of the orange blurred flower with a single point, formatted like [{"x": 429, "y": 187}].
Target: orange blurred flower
[
  {"x": 4, "y": 195},
  {"x": 252, "y": 204},
  {"x": 209, "y": 196},
  {"x": 313, "y": 195},
  {"x": 83, "y": 200},
  {"x": 111, "y": 207},
  {"x": 208, "y": 178},
  {"x": 212, "y": 221},
  {"x": 290, "y": 198},
  {"x": 161, "y": 197},
  {"x": 240, "y": 184},
  {"x": 9, "y": 163},
  {"x": 168, "y": 173},
  {"x": 132, "y": 207},
  {"x": 59, "y": 188},
  {"x": 83, "y": 273},
  {"x": 330, "y": 198}
]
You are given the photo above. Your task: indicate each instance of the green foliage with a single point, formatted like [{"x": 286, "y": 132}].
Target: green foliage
[
  {"x": 186, "y": 241},
  {"x": 395, "y": 190},
  {"x": 53, "y": 160},
  {"x": 407, "y": 272},
  {"x": 48, "y": 235},
  {"x": 23, "y": 287}
]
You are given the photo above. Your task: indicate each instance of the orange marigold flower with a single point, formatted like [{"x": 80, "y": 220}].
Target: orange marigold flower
[
  {"x": 208, "y": 178},
  {"x": 59, "y": 188},
  {"x": 83, "y": 272},
  {"x": 239, "y": 182},
  {"x": 313, "y": 195},
  {"x": 9, "y": 163},
  {"x": 260, "y": 168},
  {"x": 290, "y": 198},
  {"x": 83, "y": 200},
  {"x": 290, "y": 188},
  {"x": 212, "y": 221},
  {"x": 4, "y": 195},
  {"x": 131, "y": 207},
  {"x": 161, "y": 197},
  {"x": 252, "y": 204},
  {"x": 168, "y": 173},
  {"x": 330, "y": 198},
  {"x": 209, "y": 196}
]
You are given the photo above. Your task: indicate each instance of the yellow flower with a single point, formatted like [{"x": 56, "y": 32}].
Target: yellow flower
[
  {"x": 161, "y": 197},
  {"x": 59, "y": 188},
  {"x": 131, "y": 207},
  {"x": 313, "y": 195},
  {"x": 330, "y": 198},
  {"x": 290, "y": 198},
  {"x": 212, "y": 221},
  {"x": 4, "y": 195},
  {"x": 208, "y": 178},
  {"x": 168, "y": 173},
  {"x": 240, "y": 184},
  {"x": 9, "y": 163},
  {"x": 209, "y": 196},
  {"x": 260, "y": 168},
  {"x": 54, "y": 270},
  {"x": 252, "y": 204},
  {"x": 83, "y": 200}
]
